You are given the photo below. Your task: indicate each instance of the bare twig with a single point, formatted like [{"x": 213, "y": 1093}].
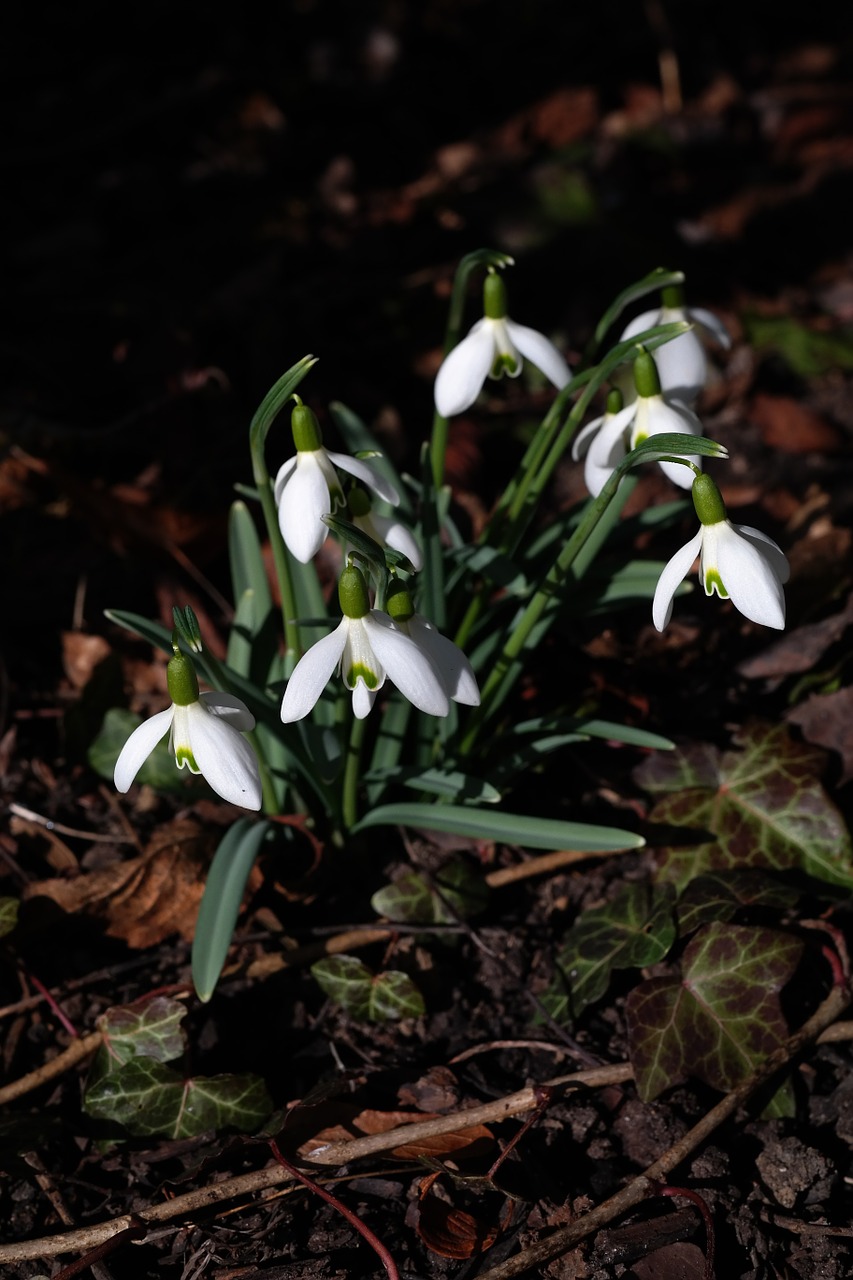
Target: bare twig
[{"x": 636, "y": 1190}]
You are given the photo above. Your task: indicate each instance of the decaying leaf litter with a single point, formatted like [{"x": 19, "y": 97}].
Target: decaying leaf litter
[{"x": 104, "y": 484}]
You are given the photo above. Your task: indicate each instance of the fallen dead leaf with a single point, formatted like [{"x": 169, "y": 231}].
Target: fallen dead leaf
[
  {"x": 826, "y": 719},
  {"x": 145, "y": 899},
  {"x": 792, "y": 427}
]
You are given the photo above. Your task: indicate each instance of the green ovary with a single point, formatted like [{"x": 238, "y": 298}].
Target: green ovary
[
  {"x": 359, "y": 671},
  {"x": 713, "y": 582}
]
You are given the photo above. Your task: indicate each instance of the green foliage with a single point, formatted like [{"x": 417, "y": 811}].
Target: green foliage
[
  {"x": 131, "y": 1085},
  {"x": 761, "y": 805},
  {"x": 636, "y": 928},
  {"x": 510, "y": 828},
  {"x": 807, "y": 351},
  {"x": 9, "y": 908},
  {"x": 223, "y": 893},
  {"x": 718, "y": 1017},
  {"x": 456, "y": 892},
  {"x": 382, "y": 997}
]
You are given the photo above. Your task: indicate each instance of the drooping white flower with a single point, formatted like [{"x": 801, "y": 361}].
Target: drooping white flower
[
  {"x": 739, "y": 563},
  {"x": 366, "y": 647},
  {"x": 453, "y": 668},
  {"x": 682, "y": 362},
  {"x": 383, "y": 529},
  {"x": 494, "y": 346},
  {"x": 607, "y": 439},
  {"x": 307, "y": 486},
  {"x": 205, "y": 733}
]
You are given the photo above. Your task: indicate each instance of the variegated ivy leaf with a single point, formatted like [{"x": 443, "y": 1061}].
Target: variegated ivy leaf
[
  {"x": 382, "y": 997},
  {"x": 637, "y": 928},
  {"x": 761, "y": 805},
  {"x": 147, "y": 1029},
  {"x": 457, "y": 891},
  {"x": 717, "y": 1019}
]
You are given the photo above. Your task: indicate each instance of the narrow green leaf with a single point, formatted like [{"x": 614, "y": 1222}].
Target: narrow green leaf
[
  {"x": 507, "y": 828},
  {"x": 449, "y": 783},
  {"x": 220, "y": 904}
]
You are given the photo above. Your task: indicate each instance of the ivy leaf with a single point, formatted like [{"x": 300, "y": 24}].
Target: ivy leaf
[
  {"x": 383, "y": 997},
  {"x": 763, "y": 805},
  {"x": 147, "y": 1097},
  {"x": 8, "y": 915},
  {"x": 637, "y": 928},
  {"x": 720, "y": 1018},
  {"x": 720, "y": 895},
  {"x": 147, "y": 1029},
  {"x": 458, "y": 892}
]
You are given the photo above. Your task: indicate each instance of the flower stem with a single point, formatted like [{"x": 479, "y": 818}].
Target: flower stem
[{"x": 352, "y": 773}]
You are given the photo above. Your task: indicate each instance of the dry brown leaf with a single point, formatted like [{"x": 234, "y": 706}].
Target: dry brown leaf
[
  {"x": 81, "y": 653},
  {"x": 462, "y": 1141},
  {"x": 792, "y": 427},
  {"x": 146, "y": 899},
  {"x": 455, "y": 1233},
  {"x": 826, "y": 719}
]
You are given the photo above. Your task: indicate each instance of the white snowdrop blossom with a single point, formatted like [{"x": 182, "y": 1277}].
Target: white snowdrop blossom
[
  {"x": 365, "y": 648},
  {"x": 682, "y": 362},
  {"x": 205, "y": 734},
  {"x": 307, "y": 486},
  {"x": 739, "y": 563},
  {"x": 385, "y": 530},
  {"x": 494, "y": 346},
  {"x": 453, "y": 668},
  {"x": 606, "y": 440}
]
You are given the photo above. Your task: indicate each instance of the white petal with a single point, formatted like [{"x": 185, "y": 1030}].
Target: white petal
[
  {"x": 407, "y": 666},
  {"x": 460, "y": 379},
  {"x": 362, "y": 700},
  {"x": 607, "y": 449},
  {"x": 139, "y": 746},
  {"x": 369, "y": 475},
  {"x": 584, "y": 437},
  {"x": 656, "y": 415},
  {"x": 682, "y": 366},
  {"x": 748, "y": 577},
  {"x": 304, "y": 501},
  {"x": 224, "y": 757},
  {"x": 539, "y": 350},
  {"x": 713, "y": 324},
  {"x": 281, "y": 478},
  {"x": 231, "y": 709},
  {"x": 771, "y": 549},
  {"x": 396, "y": 535},
  {"x": 674, "y": 572},
  {"x": 312, "y": 673},
  {"x": 450, "y": 662},
  {"x": 640, "y": 323}
]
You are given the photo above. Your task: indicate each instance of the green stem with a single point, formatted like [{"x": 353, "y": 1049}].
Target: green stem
[
  {"x": 352, "y": 773},
  {"x": 479, "y": 258},
  {"x": 497, "y": 686}
]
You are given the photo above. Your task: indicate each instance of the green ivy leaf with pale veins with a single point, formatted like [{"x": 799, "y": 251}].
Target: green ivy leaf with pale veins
[
  {"x": 382, "y": 997},
  {"x": 147, "y": 1097},
  {"x": 761, "y": 805},
  {"x": 637, "y": 928},
  {"x": 717, "y": 1020}
]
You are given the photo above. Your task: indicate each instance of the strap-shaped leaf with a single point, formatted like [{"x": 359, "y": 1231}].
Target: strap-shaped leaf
[
  {"x": 220, "y": 904},
  {"x": 508, "y": 828}
]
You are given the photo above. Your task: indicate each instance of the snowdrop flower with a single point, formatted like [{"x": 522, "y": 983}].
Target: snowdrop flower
[
  {"x": 307, "y": 487},
  {"x": 606, "y": 440},
  {"x": 205, "y": 734},
  {"x": 383, "y": 529},
  {"x": 737, "y": 562},
  {"x": 365, "y": 648},
  {"x": 453, "y": 668},
  {"x": 682, "y": 363},
  {"x": 494, "y": 346}
]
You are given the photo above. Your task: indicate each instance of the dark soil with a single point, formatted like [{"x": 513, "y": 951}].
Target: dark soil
[{"x": 196, "y": 199}]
